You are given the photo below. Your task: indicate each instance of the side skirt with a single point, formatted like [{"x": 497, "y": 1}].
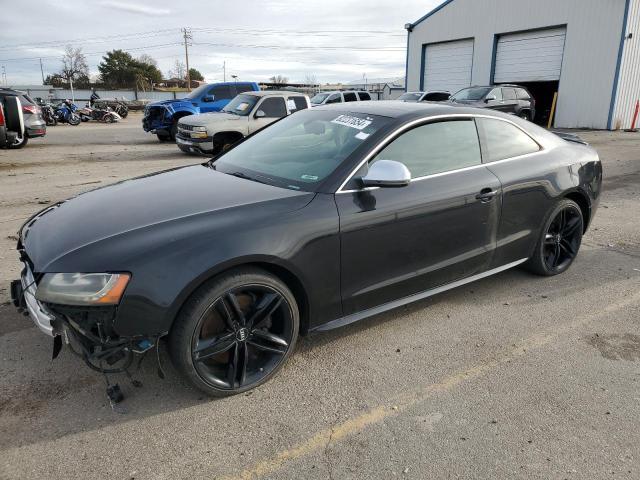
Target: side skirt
[{"x": 354, "y": 317}]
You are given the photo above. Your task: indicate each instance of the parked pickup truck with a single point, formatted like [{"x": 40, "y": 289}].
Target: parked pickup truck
[
  {"x": 212, "y": 133},
  {"x": 162, "y": 117}
]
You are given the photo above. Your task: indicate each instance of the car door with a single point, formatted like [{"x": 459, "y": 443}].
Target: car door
[
  {"x": 494, "y": 99},
  {"x": 509, "y": 100},
  {"x": 267, "y": 111},
  {"x": 440, "y": 228},
  {"x": 220, "y": 95}
]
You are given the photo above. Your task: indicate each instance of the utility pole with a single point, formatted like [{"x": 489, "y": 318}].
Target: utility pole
[
  {"x": 187, "y": 37},
  {"x": 42, "y": 71}
]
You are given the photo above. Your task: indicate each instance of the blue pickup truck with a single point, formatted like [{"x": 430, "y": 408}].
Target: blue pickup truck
[{"x": 162, "y": 118}]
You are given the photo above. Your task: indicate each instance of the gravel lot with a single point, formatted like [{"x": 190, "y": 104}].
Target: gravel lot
[{"x": 512, "y": 377}]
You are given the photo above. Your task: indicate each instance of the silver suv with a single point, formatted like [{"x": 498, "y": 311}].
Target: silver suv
[
  {"x": 325, "y": 98},
  {"x": 215, "y": 132}
]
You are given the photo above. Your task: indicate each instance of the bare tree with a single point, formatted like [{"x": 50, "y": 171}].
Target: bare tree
[
  {"x": 148, "y": 60},
  {"x": 74, "y": 64},
  {"x": 178, "y": 70},
  {"x": 279, "y": 79},
  {"x": 311, "y": 79}
]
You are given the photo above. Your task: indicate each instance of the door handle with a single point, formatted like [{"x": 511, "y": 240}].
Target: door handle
[{"x": 486, "y": 195}]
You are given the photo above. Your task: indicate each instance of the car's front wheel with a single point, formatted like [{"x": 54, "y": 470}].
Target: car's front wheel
[
  {"x": 559, "y": 240},
  {"x": 235, "y": 332}
]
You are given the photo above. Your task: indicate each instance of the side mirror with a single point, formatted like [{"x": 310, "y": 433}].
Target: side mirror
[
  {"x": 387, "y": 173},
  {"x": 208, "y": 98},
  {"x": 490, "y": 98},
  {"x": 260, "y": 114}
]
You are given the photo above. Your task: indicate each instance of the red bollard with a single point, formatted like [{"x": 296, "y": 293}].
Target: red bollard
[{"x": 635, "y": 116}]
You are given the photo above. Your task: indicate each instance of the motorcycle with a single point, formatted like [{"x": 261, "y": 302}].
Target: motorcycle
[
  {"x": 100, "y": 114},
  {"x": 115, "y": 105},
  {"x": 48, "y": 114},
  {"x": 65, "y": 112}
]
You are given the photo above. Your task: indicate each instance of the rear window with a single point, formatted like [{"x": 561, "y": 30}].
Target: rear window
[
  {"x": 241, "y": 88},
  {"x": 504, "y": 140},
  {"x": 221, "y": 92},
  {"x": 296, "y": 103},
  {"x": 350, "y": 97},
  {"x": 522, "y": 94},
  {"x": 364, "y": 96},
  {"x": 508, "y": 93},
  {"x": 436, "y": 97}
]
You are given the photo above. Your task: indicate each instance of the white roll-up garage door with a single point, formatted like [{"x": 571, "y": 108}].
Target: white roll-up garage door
[
  {"x": 447, "y": 66},
  {"x": 530, "y": 56}
]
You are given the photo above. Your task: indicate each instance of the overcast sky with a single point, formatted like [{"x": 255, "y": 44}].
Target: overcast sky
[{"x": 335, "y": 40}]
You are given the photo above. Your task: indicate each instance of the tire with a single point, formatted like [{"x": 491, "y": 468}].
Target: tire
[
  {"x": 74, "y": 119},
  {"x": 174, "y": 130},
  {"x": 13, "y": 114},
  {"x": 109, "y": 118},
  {"x": 222, "y": 354},
  {"x": 163, "y": 138},
  {"x": 559, "y": 240},
  {"x": 20, "y": 142},
  {"x": 525, "y": 115}
]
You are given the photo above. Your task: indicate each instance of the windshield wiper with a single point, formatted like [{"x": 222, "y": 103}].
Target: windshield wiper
[{"x": 246, "y": 177}]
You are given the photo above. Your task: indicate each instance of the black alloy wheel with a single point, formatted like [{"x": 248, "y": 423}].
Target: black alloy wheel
[
  {"x": 560, "y": 241},
  {"x": 238, "y": 333}
]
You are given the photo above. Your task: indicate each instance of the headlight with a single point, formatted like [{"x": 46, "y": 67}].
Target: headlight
[
  {"x": 82, "y": 288},
  {"x": 199, "y": 129}
]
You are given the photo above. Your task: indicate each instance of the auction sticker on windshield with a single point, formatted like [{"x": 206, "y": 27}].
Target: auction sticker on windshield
[{"x": 351, "y": 121}]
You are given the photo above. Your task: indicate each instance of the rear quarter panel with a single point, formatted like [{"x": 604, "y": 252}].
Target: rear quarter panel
[{"x": 533, "y": 184}]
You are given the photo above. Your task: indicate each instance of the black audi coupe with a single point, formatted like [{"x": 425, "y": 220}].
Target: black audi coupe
[{"x": 322, "y": 219}]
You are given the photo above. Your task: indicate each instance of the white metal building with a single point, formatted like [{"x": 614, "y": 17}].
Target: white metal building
[{"x": 586, "y": 50}]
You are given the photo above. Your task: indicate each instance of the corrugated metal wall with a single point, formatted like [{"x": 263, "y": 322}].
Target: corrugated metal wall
[
  {"x": 590, "y": 54},
  {"x": 629, "y": 80}
]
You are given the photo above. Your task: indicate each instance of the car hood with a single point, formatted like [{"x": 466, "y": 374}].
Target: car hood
[
  {"x": 211, "y": 118},
  {"x": 175, "y": 104},
  {"x": 196, "y": 193}
]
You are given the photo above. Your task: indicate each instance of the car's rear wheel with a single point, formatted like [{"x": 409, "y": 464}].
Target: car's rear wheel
[
  {"x": 559, "y": 241},
  {"x": 20, "y": 142},
  {"x": 525, "y": 115},
  {"x": 235, "y": 332}
]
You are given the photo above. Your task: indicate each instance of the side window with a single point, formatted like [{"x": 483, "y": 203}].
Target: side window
[
  {"x": 522, "y": 94},
  {"x": 334, "y": 98},
  {"x": 364, "y": 96},
  {"x": 296, "y": 103},
  {"x": 273, "y": 107},
  {"x": 503, "y": 140},
  {"x": 243, "y": 87},
  {"x": 221, "y": 92},
  {"x": 435, "y": 148},
  {"x": 350, "y": 97},
  {"x": 496, "y": 92},
  {"x": 509, "y": 93}
]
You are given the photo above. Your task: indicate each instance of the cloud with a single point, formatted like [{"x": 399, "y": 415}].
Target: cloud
[{"x": 134, "y": 8}]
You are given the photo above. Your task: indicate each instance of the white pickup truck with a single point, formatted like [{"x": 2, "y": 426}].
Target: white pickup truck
[{"x": 212, "y": 133}]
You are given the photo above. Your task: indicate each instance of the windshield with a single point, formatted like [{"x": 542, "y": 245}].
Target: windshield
[
  {"x": 474, "y": 93},
  {"x": 198, "y": 92},
  {"x": 241, "y": 105},
  {"x": 319, "y": 98},
  {"x": 301, "y": 150},
  {"x": 410, "y": 97}
]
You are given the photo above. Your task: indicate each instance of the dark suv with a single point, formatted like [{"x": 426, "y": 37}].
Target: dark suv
[
  {"x": 34, "y": 124},
  {"x": 506, "y": 98}
]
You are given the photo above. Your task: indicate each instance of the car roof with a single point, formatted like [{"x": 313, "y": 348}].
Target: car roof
[
  {"x": 265, "y": 93},
  {"x": 400, "y": 109}
]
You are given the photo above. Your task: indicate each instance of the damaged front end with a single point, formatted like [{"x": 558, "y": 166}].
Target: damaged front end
[{"x": 79, "y": 310}]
